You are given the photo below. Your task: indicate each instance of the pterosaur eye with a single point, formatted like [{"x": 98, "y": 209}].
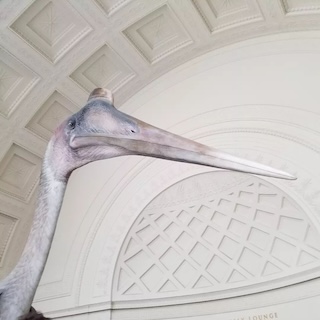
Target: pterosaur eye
[{"x": 71, "y": 124}]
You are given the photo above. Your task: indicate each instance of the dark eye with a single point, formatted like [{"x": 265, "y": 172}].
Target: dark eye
[
  {"x": 71, "y": 124},
  {"x": 133, "y": 128}
]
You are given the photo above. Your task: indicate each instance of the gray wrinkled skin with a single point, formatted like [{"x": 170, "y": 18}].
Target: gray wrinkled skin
[{"x": 20, "y": 285}]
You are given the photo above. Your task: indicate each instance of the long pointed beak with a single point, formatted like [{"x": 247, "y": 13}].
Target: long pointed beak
[{"x": 158, "y": 143}]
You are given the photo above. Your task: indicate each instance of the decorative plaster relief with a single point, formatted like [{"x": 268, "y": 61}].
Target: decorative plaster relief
[
  {"x": 51, "y": 114},
  {"x": 19, "y": 172},
  {"x": 111, "y": 6},
  {"x": 301, "y": 6},
  {"x": 9, "y": 79},
  {"x": 52, "y": 27},
  {"x": 223, "y": 14},
  {"x": 158, "y": 34},
  {"x": 7, "y": 225},
  {"x": 15, "y": 82},
  {"x": 104, "y": 68},
  {"x": 245, "y": 234}
]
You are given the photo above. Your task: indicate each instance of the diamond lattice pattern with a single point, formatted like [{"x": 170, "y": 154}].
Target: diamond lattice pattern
[{"x": 251, "y": 233}]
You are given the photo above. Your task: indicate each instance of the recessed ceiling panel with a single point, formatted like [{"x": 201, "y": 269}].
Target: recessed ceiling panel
[
  {"x": 56, "y": 109},
  {"x": 158, "y": 34},
  {"x": 105, "y": 69},
  {"x": 223, "y": 14},
  {"x": 51, "y": 27},
  {"x": 7, "y": 225},
  {"x": 16, "y": 80},
  {"x": 111, "y": 6},
  {"x": 19, "y": 172},
  {"x": 301, "y": 6}
]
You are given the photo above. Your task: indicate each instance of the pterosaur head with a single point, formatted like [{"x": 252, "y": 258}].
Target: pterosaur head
[{"x": 100, "y": 131}]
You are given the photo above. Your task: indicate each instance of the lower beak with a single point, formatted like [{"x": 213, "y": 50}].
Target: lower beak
[{"x": 158, "y": 143}]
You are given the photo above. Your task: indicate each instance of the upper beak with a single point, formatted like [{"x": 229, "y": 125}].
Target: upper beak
[{"x": 158, "y": 143}]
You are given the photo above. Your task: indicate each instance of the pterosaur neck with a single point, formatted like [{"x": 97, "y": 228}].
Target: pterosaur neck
[{"x": 22, "y": 282}]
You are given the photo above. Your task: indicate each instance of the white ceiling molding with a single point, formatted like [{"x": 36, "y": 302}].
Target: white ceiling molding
[
  {"x": 50, "y": 115},
  {"x": 111, "y": 6},
  {"x": 51, "y": 27},
  {"x": 16, "y": 81},
  {"x": 8, "y": 225},
  {"x": 103, "y": 69},
  {"x": 158, "y": 34},
  {"x": 19, "y": 171},
  {"x": 220, "y": 15},
  {"x": 300, "y": 7}
]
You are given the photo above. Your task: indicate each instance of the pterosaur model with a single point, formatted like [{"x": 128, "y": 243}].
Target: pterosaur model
[{"x": 98, "y": 131}]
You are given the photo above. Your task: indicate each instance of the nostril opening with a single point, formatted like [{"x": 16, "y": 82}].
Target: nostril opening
[{"x": 133, "y": 131}]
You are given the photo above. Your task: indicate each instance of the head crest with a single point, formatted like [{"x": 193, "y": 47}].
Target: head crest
[{"x": 101, "y": 93}]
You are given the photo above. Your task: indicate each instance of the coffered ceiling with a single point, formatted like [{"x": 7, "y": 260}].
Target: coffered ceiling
[{"x": 53, "y": 53}]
